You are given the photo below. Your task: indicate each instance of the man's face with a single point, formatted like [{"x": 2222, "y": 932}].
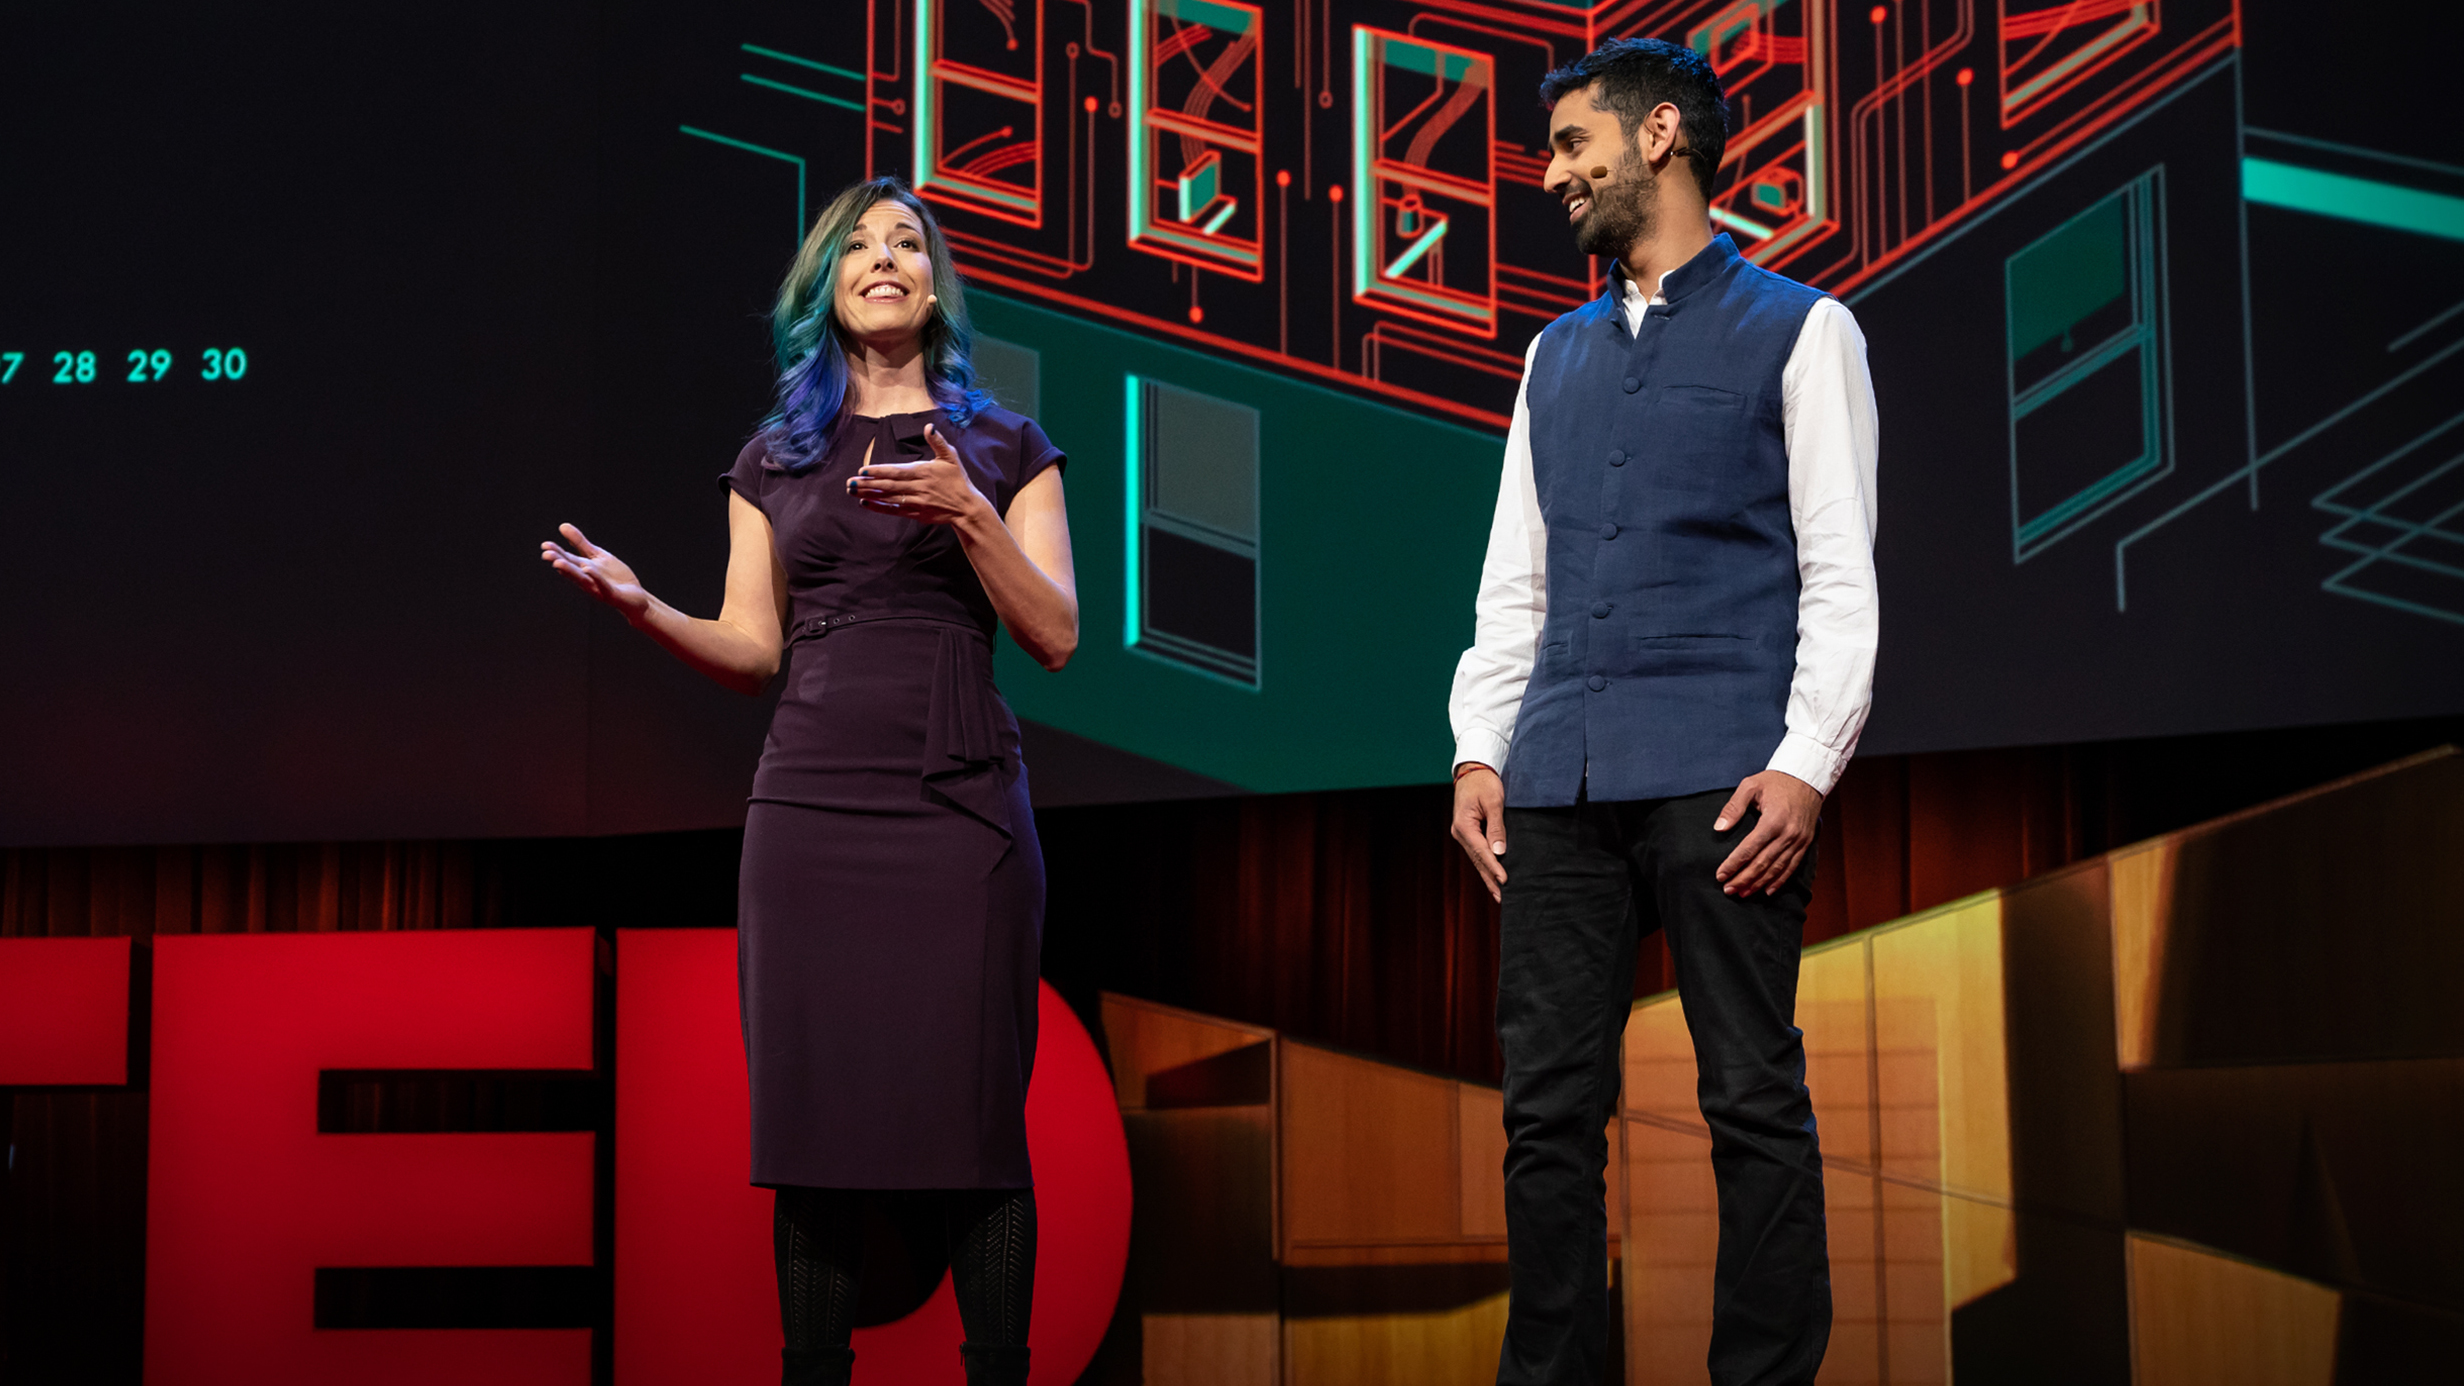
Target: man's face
[{"x": 1607, "y": 214}]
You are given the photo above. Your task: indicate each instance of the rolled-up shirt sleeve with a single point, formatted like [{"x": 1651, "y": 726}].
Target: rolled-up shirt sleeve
[
  {"x": 1833, "y": 438},
  {"x": 1511, "y": 606}
]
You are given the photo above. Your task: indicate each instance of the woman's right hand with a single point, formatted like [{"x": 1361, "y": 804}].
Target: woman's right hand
[{"x": 596, "y": 571}]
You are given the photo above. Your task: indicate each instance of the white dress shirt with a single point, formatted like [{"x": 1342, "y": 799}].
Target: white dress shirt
[{"x": 1827, "y": 417}]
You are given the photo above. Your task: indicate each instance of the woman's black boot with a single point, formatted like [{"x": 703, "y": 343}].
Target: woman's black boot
[
  {"x": 827, "y": 1366},
  {"x": 994, "y": 1364}
]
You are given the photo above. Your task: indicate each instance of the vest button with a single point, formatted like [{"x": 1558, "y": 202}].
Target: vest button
[
  {"x": 1632, "y": 384},
  {"x": 1608, "y": 531},
  {"x": 1616, "y": 457},
  {"x": 1599, "y": 610},
  {"x": 1595, "y": 683}
]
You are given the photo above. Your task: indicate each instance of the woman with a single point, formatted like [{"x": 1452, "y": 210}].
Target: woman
[{"x": 885, "y": 518}]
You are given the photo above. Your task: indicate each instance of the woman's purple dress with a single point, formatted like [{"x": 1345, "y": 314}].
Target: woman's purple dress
[{"x": 892, "y": 894}]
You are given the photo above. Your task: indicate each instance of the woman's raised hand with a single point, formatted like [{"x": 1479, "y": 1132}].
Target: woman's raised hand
[
  {"x": 596, "y": 571},
  {"x": 935, "y": 492}
]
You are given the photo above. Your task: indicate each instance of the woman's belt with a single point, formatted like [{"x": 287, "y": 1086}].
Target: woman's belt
[
  {"x": 815, "y": 627},
  {"x": 968, "y": 759}
]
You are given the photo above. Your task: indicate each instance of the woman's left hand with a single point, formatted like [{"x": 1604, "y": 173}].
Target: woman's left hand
[{"x": 937, "y": 492}]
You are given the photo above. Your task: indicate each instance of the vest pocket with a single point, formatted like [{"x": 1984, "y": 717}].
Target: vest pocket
[
  {"x": 1709, "y": 437},
  {"x": 1692, "y": 654},
  {"x": 1701, "y": 397}
]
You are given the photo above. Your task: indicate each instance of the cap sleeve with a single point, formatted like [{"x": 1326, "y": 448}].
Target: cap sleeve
[
  {"x": 749, "y": 478},
  {"x": 1036, "y": 453}
]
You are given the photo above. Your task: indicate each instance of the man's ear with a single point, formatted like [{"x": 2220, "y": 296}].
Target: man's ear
[{"x": 1657, "y": 137}]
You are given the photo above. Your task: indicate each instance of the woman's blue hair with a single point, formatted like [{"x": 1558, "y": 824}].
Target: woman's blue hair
[{"x": 804, "y": 330}]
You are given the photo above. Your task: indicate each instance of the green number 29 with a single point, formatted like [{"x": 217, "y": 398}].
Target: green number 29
[{"x": 140, "y": 363}]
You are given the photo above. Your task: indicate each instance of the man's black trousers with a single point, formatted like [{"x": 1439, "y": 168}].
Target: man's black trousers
[{"x": 1583, "y": 886}]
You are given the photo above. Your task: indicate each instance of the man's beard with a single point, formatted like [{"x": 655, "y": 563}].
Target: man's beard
[{"x": 1622, "y": 211}]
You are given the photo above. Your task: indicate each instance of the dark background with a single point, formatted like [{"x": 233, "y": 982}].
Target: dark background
[{"x": 2228, "y": 622}]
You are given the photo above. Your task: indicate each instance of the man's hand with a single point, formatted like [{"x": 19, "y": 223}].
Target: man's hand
[
  {"x": 1791, "y": 812},
  {"x": 1480, "y": 823}
]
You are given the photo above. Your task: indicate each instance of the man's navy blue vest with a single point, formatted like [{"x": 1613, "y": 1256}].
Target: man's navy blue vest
[{"x": 1662, "y": 468}]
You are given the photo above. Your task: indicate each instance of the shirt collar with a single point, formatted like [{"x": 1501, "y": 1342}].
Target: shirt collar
[
  {"x": 1708, "y": 264},
  {"x": 1630, "y": 293}
]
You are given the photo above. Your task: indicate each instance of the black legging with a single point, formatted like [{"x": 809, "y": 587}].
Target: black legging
[{"x": 817, "y": 1236}]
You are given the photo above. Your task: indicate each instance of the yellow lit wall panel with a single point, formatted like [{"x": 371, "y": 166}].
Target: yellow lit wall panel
[
  {"x": 1145, "y": 1038},
  {"x": 1368, "y": 1153},
  {"x": 1451, "y": 1347},
  {"x": 1210, "y": 1349},
  {"x": 1480, "y": 1134},
  {"x": 2142, "y": 907},
  {"x": 2201, "y": 1319},
  {"x": 1834, "y": 1009},
  {"x": 1944, "y": 1087},
  {"x": 1672, "y": 1223}
]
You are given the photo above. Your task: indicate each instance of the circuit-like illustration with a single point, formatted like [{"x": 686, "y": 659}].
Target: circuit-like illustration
[{"x": 1351, "y": 189}]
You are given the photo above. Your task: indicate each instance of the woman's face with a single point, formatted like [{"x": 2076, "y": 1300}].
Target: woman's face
[{"x": 885, "y": 277}]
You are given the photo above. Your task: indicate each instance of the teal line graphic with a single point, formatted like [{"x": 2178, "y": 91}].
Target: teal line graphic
[
  {"x": 1142, "y": 420},
  {"x": 2334, "y": 148},
  {"x": 1420, "y": 246},
  {"x": 2277, "y": 183},
  {"x": 2352, "y": 199},
  {"x": 2121, "y": 548},
  {"x": 758, "y": 51},
  {"x": 2067, "y": 280},
  {"x": 2386, "y": 553},
  {"x": 2409, "y": 338},
  {"x": 840, "y": 101},
  {"x": 2327, "y": 499},
  {"x": 767, "y": 153},
  {"x": 1740, "y": 225},
  {"x": 2378, "y": 516},
  {"x": 927, "y": 121},
  {"x": 1133, "y": 490},
  {"x": 2250, "y": 340}
]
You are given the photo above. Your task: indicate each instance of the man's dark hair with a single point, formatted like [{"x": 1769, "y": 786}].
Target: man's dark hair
[{"x": 1630, "y": 76}]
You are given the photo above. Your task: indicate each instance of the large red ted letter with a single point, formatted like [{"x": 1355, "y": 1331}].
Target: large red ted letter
[
  {"x": 63, "y": 1011},
  {"x": 695, "y": 1301},
  {"x": 245, "y": 1200}
]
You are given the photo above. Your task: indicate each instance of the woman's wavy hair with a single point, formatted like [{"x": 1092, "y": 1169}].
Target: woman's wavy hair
[{"x": 805, "y": 331}]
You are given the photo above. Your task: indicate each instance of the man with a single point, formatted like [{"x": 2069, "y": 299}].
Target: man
[{"x": 1675, "y": 636}]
